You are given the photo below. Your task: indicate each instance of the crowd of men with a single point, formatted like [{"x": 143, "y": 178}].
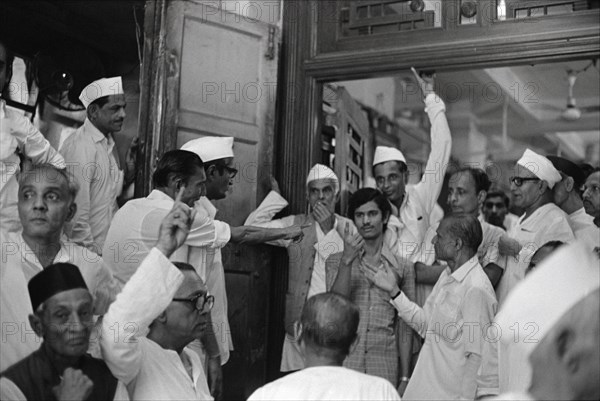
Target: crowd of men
[{"x": 385, "y": 302}]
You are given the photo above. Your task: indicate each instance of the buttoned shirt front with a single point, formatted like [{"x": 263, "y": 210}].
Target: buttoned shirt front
[
  {"x": 149, "y": 371},
  {"x": 19, "y": 265},
  {"x": 17, "y": 132},
  {"x": 91, "y": 157},
  {"x": 454, "y": 322}
]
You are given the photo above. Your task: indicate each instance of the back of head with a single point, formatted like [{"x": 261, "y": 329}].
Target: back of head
[
  {"x": 180, "y": 163},
  {"x": 467, "y": 228},
  {"x": 329, "y": 324}
]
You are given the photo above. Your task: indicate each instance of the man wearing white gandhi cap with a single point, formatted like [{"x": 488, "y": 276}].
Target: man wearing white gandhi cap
[
  {"x": 552, "y": 318},
  {"x": 543, "y": 221},
  {"x": 322, "y": 238},
  {"x": 91, "y": 156}
]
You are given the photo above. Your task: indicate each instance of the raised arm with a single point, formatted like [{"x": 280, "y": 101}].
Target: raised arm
[
  {"x": 33, "y": 144},
  {"x": 144, "y": 297}
]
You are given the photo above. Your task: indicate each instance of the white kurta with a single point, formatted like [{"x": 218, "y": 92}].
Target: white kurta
[
  {"x": 327, "y": 244},
  {"x": 17, "y": 132},
  {"x": 327, "y": 383},
  {"x": 546, "y": 223},
  {"x": 134, "y": 231},
  {"x": 454, "y": 322},
  {"x": 214, "y": 276},
  {"x": 19, "y": 265},
  {"x": 149, "y": 371},
  {"x": 91, "y": 157},
  {"x": 420, "y": 199},
  {"x": 584, "y": 228}
]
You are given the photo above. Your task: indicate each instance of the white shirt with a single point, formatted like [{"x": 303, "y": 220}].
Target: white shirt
[
  {"x": 327, "y": 244},
  {"x": 149, "y": 371},
  {"x": 134, "y": 231},
  {"x": 215, "y": 276},
  {"x": 584, "y": 228},
  {"x": 91, "y": 157},
  {"x": 327, "y": 383},
  {"x": 17, "y": 132},
  {"x": 454, "y": 322},
  {"x": 421, "y": 199},
  {"x": 19, "y": 265},
  {"x": 546, "y": 223}
]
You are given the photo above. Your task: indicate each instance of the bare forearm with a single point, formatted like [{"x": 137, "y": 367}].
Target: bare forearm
[
  {"x": 469, "y": 382},
  {"x": 257, "y": 235},
  {"x": 209, "y": 340},
  {"x": 494, "y": 273},
  {"x": 428, "y": 274},
  {"x": 405, "y": 348},
  {"x": 341, "y": 285}
]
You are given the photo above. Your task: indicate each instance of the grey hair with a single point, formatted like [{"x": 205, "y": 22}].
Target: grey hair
[{"x": 72, "y": 185}]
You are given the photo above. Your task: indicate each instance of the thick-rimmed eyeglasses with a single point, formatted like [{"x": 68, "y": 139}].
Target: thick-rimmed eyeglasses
[
  {"x": 232, "y": 171},
  {"x": 202, "y": 303},
  {"x": 518, "y": 181}
]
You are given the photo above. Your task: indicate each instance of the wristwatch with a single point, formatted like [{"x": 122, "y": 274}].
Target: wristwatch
[
  {"x": 396, "y": 294},
  {"x": 404, "y": 379}
]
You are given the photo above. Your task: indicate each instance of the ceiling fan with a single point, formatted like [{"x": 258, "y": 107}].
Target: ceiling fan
[{"x": 571, "y": 112}]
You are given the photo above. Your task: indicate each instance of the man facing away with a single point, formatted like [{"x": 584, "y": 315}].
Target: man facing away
[
  {"x": 467, "y": 189},
  {"x": 162, "y": 308},
  {"x": 92, "y": 157},
  {"x": 307, "y": 273},
  {"x": 455, "y": 318},
  {"x": 60, "y": 369},
  {"x": 567, "y": 196},
  {"x": 378, "y": 346},
  {"x": 327, "y": 330},
  {"x": 46, "y": 201},
  {"x": 557, "y": 311},
  {"x": 17, "y": 133}
]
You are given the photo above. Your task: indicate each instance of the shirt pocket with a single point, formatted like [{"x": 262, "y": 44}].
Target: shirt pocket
[{"x": 445, "y": 317}]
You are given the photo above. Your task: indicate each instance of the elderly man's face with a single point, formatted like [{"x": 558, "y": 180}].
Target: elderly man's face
[
  {"x": 322, "y": 191},
  {"x": 591, "y": 196},
  {"x": 66, "y": 322},
  {"x": 219, "y": 183},
  {"x": 444, "y": 242},
  {"x": 45, "y": 203},
  {"x": 390, "y": 180},
  {"x": 110, "y": 117},
  {"x": 529, "y": 192},
  {"x": 183, "y": 320}
]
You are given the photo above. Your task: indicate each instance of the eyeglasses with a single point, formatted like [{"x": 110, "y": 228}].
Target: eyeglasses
[
  {"x": 232, "y": 171},
  {"x": 518, "y": 181},
  {"x": 203, "y": 303}
]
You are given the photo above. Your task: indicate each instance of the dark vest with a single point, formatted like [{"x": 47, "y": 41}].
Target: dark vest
[{"x": 35, "y": 376}]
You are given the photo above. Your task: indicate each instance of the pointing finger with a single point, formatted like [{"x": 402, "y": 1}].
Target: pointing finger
[{"x": 180, "y": 194}]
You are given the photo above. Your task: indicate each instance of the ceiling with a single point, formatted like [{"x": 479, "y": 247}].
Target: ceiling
[{"x": 517, "y": 107}]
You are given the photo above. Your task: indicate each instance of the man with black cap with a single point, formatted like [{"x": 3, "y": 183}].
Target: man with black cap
[
  {"x": 46, "y": 200},
  {"x": 567, "y": 196},
  {"x": 60, "y": 369}
]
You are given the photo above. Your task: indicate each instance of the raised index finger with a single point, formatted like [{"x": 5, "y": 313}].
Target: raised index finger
[
  {"x": 346, "y": 230},
  {"x": 180, "y": 194}
]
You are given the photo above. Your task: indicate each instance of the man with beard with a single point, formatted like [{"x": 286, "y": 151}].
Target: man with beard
[{"x": 591, "y": 196}]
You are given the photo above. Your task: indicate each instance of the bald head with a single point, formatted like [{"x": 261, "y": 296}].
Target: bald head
[{"x": 329, "y": 324}]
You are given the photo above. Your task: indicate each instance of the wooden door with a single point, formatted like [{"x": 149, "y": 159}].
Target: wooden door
[{"x": 222, "y": 71}]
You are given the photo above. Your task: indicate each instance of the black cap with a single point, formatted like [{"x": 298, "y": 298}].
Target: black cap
[
  {"x": 568, "y": 168},
  {"x": 53, "y": 279}
]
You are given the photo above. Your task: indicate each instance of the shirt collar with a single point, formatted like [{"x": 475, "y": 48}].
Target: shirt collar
[
  {"x": 462, "y": 272},
  {"x": 577, "y": 212},
  {"x": 207, "y": 205},
  {"x": 95, "y": 133},
  {"x": 29, "y": 255}
]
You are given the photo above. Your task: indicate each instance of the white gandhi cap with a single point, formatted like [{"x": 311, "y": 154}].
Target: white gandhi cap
[
  {"x": 538, "y": 302},
  {"x": 541, "y": 167},
  {"x": 386, "y": 154},
  {"x": 210, "y": 148},
  {"x": 101, "y": 88}
]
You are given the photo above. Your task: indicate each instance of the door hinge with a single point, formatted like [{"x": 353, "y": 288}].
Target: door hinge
[{"x": 270, "y": 54}]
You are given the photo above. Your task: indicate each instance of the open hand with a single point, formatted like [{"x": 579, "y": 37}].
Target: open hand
[
  {"x": 296, "y": 232},
  {"x": 74, "y": 386},
  {"x": 382, "y": 276},
  {"x": 353, "y": 245},
  {"x": 425, "y": 82}
]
